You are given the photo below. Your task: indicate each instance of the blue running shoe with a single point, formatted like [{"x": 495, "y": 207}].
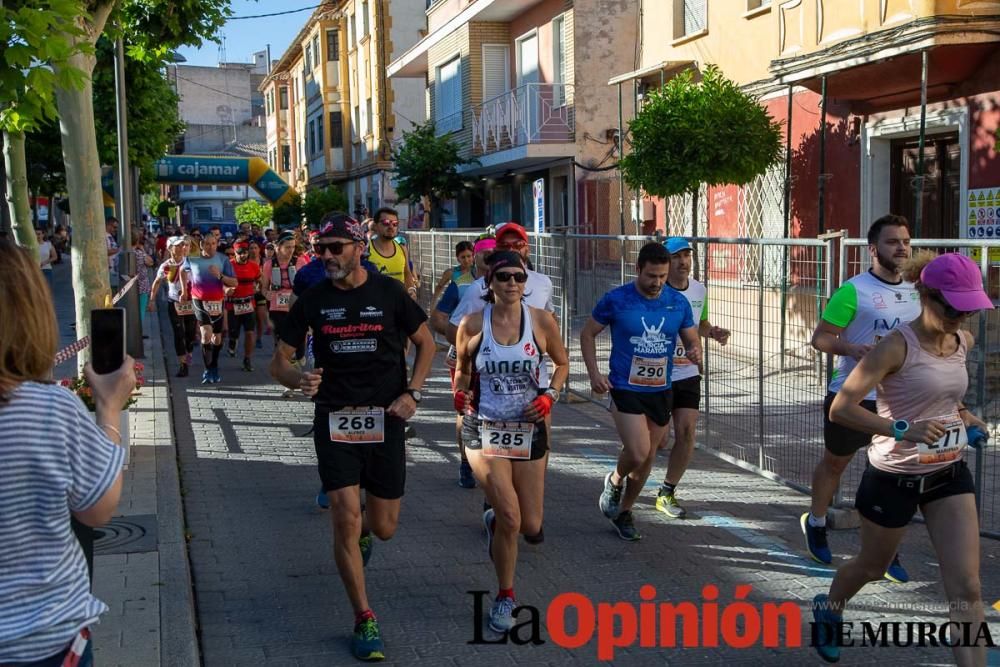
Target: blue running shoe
[
  {"x": 366, "y": 642},
  {"x": 896, "y": 572},
  {"x": 816, "y": 543},
  {"x": 490, "y": 524},
  {"x": 366, "y": 543},
  {"x": 825, "y": 628},
  {"x": 611, "y": 498},
  {"x": 465, "y": 477},
  {"x": 215, "y": 376},
  {"x": 206, "y": 377},
  {"x": 322, "y": 500},
  {"x": 502, "y": 615}
]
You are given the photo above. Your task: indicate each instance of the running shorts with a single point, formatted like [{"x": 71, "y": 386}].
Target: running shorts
[
  {"x": 472, "y": 440},
  {"x": 890, "y": 500},
  {"x": 686, "y": 393},
  {"x": 652, "y": 404},
  {"x": 380, "y": 469},
  {"x": 838, "y": 439}
]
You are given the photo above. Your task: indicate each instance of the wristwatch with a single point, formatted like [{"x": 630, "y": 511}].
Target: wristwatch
[
  {"x": 899, "y": 428},
  {"x": 552, "y": 393},
  {"x": 414, "y": 394}
]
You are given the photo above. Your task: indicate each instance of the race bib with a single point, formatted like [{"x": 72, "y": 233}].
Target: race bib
[
  {"x": 679, "y": 356},
  {"x": 949, "y": 446},
  {"x": 451, "y": 360},
  {"x": 648, "y": 371},
  {"x": 183, "y": 308},
  {"x": 243, "y": 306},
  {"x": 507, "y": 440},
  {"x": 359, "y": 426},
  {"x": 281, "y": 300},
  {"x": 213, "y": 308}
]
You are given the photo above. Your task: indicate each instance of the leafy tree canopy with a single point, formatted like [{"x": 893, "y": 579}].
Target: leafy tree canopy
[
  {"x": 689, "y": 133},
  {"x": 254, "y": 212},
  {"x": 427, "y": 165},
  {"x": 288, "y": 214},
  {"x": 318, "y": 203}
]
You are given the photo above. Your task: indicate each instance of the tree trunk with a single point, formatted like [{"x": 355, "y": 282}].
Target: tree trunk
[
  {"x": 18, "y": 202},
  {"x": 83, "y": 184}
]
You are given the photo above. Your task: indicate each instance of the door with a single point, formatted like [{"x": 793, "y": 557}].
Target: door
[
  {"x": 941, "y": 202},
  {"x": 527, "y": 93}
]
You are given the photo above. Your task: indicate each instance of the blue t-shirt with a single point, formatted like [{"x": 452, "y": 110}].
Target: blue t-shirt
[
  {"x": 643, "y": 334},
  {"x": 449, "y": 300}
]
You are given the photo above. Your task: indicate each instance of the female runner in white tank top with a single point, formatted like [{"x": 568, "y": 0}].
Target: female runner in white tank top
[{"x": 500, "y": 389}]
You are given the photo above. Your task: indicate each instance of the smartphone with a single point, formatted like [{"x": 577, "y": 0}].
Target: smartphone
[{"x": 107, "y": 339}]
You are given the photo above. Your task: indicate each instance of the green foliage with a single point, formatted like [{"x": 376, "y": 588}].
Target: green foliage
[
  {"x": 288, "y": 214},
  {"x": 38, "y": 35},
  {"x": 153, "y": 28},
  {"x": 318, "y": 203},
  {"x": 689, "y": 133},
  {"x": 254, "y": 212},
  {"x": 427, "y": 165}
]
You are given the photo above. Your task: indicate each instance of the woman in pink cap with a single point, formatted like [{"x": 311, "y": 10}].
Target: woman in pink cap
[{"x": 917, "y": 456}]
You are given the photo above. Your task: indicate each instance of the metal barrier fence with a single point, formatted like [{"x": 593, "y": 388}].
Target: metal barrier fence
[{"x": 762, "y": 394}]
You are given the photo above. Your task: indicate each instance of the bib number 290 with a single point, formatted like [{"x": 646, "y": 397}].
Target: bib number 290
[
  {"x": 648, "y": 372},
  {"x": 358, "y": 426}
]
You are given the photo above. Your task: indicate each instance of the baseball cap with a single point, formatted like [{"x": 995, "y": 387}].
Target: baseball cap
[
  {"x": 342, "y": 226},
  {"x": 959, "y": 280},
  {"x": 512, "y": 228},
  {"x": 484, "y": 245},
  {"x": 175, "y": 240},
  {"x": 676, "y": 244}
]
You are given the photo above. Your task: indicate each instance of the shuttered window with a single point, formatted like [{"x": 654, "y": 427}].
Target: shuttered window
[
  {"x": 336, "y": 129},
  {"x": 332, "y": 45},
  {"x": 496, "y": 70},
  {"x": 695, "y": 16},
  {"x": 559, "y": 59},
  {"x": 448, "y": 106}
]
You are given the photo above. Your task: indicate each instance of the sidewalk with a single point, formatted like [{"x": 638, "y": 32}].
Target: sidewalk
[{"x": 140, "y": 564}]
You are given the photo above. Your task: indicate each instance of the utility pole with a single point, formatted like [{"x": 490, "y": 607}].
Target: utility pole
[{"x": 133, "y": 324}]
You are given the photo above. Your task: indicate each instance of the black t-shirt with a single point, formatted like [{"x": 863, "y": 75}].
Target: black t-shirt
[{"x": 358, "y": 339}]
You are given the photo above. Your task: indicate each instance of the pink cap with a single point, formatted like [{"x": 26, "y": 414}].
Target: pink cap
[
  {"x": 959, "y": 280},
  {"x": 484, "y": 245}
]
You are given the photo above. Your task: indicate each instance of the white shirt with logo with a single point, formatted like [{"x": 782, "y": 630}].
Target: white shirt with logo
[{"x": 697, "y": 296}]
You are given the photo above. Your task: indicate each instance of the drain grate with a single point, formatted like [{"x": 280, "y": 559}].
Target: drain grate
[{"x": 126, "y": 535}]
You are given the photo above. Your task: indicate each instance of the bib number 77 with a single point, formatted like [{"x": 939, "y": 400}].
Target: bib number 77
[{"x": 949, "y": 446}]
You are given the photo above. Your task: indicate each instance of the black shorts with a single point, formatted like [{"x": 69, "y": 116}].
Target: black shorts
[
  {"x": 840, "y": 440},
  {"x": 686, "y": 393},
  {"x": 653, "y": 404},
  {"x": 200, "y": 314},
  {"x": 891, "y": 500},
  {"x": 379, "y": 469},
  {"x": 260, "y": 300},
  {"x": 472, "y": 440},
  {"x": 246, "y": 321}
]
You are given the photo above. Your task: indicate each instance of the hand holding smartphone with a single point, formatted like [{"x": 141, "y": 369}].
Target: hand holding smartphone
[{"x": 107, "y": 339}]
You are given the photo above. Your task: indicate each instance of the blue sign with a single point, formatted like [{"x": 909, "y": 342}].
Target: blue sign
[
  {"x": 183, "y": 169},
  {"x": 271, "y": 186},
  {"x": 538, "y": 193}
]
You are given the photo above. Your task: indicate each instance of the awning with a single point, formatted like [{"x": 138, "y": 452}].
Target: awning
[{"x": 665, "y": 66}]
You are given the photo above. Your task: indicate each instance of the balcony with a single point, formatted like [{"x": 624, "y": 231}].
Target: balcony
[{"x": 534, "y": 113}]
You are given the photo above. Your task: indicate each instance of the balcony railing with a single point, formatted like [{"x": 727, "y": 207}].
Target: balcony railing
[{"x": 535, "y": 113}]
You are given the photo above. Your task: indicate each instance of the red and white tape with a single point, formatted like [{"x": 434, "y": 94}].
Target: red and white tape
[{"x": 73, "y": 349}]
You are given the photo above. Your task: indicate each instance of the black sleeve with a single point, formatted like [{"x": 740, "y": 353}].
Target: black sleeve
[
  {"x": 293, "y": 330},
  {"x": 409, "y": 314}
]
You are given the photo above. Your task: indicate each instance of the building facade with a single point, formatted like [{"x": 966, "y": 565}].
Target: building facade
[
  {"x": 331, "y": 113},
  {"x": 521, "y": 85},
  {"x": 861, "y": 65}
]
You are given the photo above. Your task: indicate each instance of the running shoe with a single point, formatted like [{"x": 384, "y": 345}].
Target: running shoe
[
  {"x": 366, "y": 543},
  {"x": 288, "y": 393},
  {"x": 502, "y": 615},
  {"x": 322, "y": 500},
  {"x": 667, "y": 503},
  {"x": 816, "y": 543},
  {"x": 231, "y": 351},
  {"x": 216, "y": 379},
  {"x": 182, "y": 372},
  {"x": 626, "y": 527},
  {"x": 465, "y": 478},
  {"x": 537, "y": 538},
  {"x": 896, "y": 572},
  {"x": 206, "y": 377},
  {"x": 825, "y": 622},
  {"x": 366, "y": 643},
  {"x": 490, "y": 524},
  {"x": 611, "y": 498},
  {"x": 247, "y": 366}
]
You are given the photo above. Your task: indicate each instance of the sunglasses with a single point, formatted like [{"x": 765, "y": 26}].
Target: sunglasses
[
  {"x": 507, "y": 276},
  {"x": 389, "y": 223},
  {"x": 950, "y": 311},
  {"x": 335, "y": 247},
  {"x": 512, "y": 245}
]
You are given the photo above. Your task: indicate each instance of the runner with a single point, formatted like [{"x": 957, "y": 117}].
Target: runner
[
  {"x": 276, "y": 282},
  {"x": 645, "y": 322},
  {"x": 685, "y": 379},
  {"x": 386, "y": 253},
  {"x": 917, "y": 456},
  {"x": 499, "y": 390},
  {"x": 244, "y": 305},
  {"x": 864, "y": 310},
  {"x": 439, "y": 322},
  {"x": 211, "y": 273},
  {"x": 362, "y": 399},
  {"x": 180, "y": 310},
  {"x": 260, "y": 301},
  {"x": 462, "y": 274}
]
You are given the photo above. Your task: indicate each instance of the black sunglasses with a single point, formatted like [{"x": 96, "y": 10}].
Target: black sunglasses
[
  {"x": 507, "y": 276},
  {"x": 950, "y": 311},
  {"x": 335, "y": 247}
]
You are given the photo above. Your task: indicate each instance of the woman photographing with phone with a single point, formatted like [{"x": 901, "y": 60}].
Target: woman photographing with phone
[{"x": 56, "y": 462}]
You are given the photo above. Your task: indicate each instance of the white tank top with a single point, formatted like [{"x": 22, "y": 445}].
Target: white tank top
[
  {"x": 697, "y": 296},
  {"x": 509, "y": 375}
]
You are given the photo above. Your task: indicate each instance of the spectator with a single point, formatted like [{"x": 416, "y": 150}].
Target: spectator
[
  {"x": 46, "y": 257},
  {"x": 143, "y": 262},
  {"x": 56, "y": 462},
  {"x": 111, "y": 227}
]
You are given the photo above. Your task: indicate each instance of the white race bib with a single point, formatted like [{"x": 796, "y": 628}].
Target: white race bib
[
  {"x": 281, "y": 300},
  {"x": 451, "y": 359},
  {"x": 213, "y": 308},
  {"x": 243, "y": 306},
  {"x": 507, "y": 440},
  {"x": 949, "y": 446},
  {"x": 648, "y": 371},
  {"x": 184, "y": 308},
  {"x": 359, "y": 426},
  {"x": 680, "y": 356}
]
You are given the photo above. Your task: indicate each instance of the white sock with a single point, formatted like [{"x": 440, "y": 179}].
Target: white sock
[{"x": 817, "y": 522}]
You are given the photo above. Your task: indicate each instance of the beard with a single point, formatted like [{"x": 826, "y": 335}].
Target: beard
[
  {"x": 338, "y": 271},
  {"x": 890, "y": 262}
]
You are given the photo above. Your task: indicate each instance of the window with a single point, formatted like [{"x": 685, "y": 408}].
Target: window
[
  {"x": 356, "y": 127},
  {"x": 527, "y": 59},
  {"x": 309, "y": 58},
  {"x": 286, "y": 158},
  {"x": 315, "y": 50},
  {"x": 320, "y": 148},
  {"x": 370, "y": 123},
  {"x": 757, "y": 4},
  {"x": 332, "y": 45},
  {"x": 353, "y": 27},
  {"x": 448, "y": 105},
  {"x": 690, "y": 17},
  {"x": 496, "y": 70},
  {"x": 312, "y": 137},
  {"x": 283, "y": 98},
  {"x": 559, "y": 60},
  {"x": 364, "y": 17},
  {"x": 336, "y": 129}
]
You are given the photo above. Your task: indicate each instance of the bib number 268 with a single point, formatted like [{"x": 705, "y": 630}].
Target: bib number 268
[{"x": 358, "y": 426}]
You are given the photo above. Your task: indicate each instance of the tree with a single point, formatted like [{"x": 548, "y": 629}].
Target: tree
[
  {"x": 427, "y": 166},
  {"x": 255, "y": 213},
  {"x": 689, "y": 133},
  {"x": 288, "y": 214},
  {"x": 318, "y": 203}
]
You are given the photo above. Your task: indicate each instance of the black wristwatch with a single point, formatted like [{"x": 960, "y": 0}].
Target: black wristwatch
[{"x": 414, "y": 394}]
